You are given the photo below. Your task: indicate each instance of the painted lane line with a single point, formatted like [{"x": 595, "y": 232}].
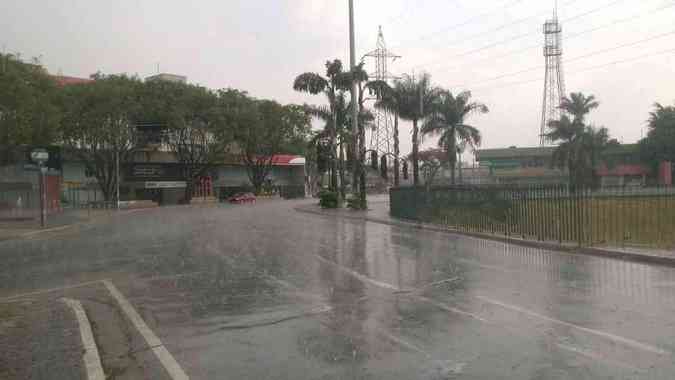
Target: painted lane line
[
  {"x": 27, "y": 234},
  {"x": 164, "y": 356},
  {"x": 92, "y": 360},
  {"x": 597, "y": 357},
  {"x": 385, "y": 285},
  {"x": 45, "y": 291},
  {"x": 451, "y": 309},
  {"x": 360, "y": 276},
  {"x": 612, "y": 337}
]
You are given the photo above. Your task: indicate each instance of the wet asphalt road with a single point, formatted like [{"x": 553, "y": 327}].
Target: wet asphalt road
[{"x": 265, "y": 292}]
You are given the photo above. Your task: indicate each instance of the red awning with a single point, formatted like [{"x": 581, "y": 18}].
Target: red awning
[{"x": 623, "y": 170}]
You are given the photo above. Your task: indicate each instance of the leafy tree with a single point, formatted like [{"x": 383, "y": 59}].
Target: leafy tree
[
  {"x": 447, "y": 121},
  {"x": 659, "y": 145},
  {"x": 196, "y": 132},
  {"x": 387, "y": 99},
  {"x": 99, "y": 124},
  {"x": 263, "y": 129},
  {"x": 29, "y": 106},
  {"x": 580, "y": 146},
  {"x": 432, "y": 161},
  {"x": 415, "y": 97},
  {"x": 333, "y": 86}
]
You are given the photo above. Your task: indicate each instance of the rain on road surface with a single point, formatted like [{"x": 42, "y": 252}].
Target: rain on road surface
[{"x": 266, "y": 292}]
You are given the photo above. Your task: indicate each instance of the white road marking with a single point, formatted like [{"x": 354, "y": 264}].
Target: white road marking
[
  {"x": 597, "y": 357},
  {"x": 164, "y": 356},
  {"x": 359, "y": 275},
  {"x": 92, "y": 360},
  {"x": 394, "y": 287},
  {"x": 45, "y": 291},
  {"x": 403, "y": 343},
  {"x": 27, "y": 234},
  {"x": 453, "y": 309},
  {"x": 615, "y": 338}
]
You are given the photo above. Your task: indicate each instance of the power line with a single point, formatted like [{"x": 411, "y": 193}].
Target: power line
[
  {"x": 566, "y": 38},
  {"x": 517, "y": 37},
  {"x": 539, "y": 79},
  {"x": 621, "y": 46},
  {"x": 500, "y": 27},
  {"x": 463, "y": 23}
]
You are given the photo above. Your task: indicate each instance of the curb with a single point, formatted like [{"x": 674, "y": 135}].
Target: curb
[
  {"x": 589, "y": 251},
  {"x": 91, "y": 357}
]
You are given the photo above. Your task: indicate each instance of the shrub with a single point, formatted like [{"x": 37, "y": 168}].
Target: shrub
[
  {"x": 328, "y": 199},
  {"x": 354, "y": 203}
]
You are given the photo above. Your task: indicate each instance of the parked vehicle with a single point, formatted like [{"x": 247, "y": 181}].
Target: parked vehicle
[{"x": 241, "y": 198}]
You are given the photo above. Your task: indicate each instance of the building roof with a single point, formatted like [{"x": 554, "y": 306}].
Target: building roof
[
  {"x": 167, "y": 77},
  {"x": 513, "y": 152},
  {"x": 62, "y": 80},
  {"x": 287, "y": 160},
  {"x": 545, "y": 151}
]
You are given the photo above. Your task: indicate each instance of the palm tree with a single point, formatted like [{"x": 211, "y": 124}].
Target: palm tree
[
  {"x": 415, "y": 97},
  {"x": 388, "y": 99},
  {"x": 580, "y": 145},
  {"x": 578, "y": 106},
  {"x": 335, "y": 83},
  {"x": 447, "y": 121}
]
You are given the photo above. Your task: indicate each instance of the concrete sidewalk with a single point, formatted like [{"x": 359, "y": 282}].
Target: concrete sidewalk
[
  {"x": 22, "y": 228},
  {"x": 378, "y": 212}
]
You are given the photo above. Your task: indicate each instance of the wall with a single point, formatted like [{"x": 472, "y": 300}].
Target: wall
[{"x": 666, "y": 173}]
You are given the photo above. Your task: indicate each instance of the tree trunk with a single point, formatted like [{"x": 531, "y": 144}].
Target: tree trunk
[
  {"x": 333, "y": 158},
  {"x": 343, "y": 185},
  {"x": 189, "y": 188},
  {"x": 362, "y": 167},
  {"x": 396, "y": 153},
  {"x": 415, "y": 151},
  {"x": 452, "y": 156}
]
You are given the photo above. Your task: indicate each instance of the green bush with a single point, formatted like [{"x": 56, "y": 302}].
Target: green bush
[
  {"x": 328, "y": 199},
  {"x": 354, "y": 203}
]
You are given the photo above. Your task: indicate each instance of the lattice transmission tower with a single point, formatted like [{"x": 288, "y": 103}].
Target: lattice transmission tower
[
  {"x": 382, "y": 135},
  {"x": 554, "y": 82}
]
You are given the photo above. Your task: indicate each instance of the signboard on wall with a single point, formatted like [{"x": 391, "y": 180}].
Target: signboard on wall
[{"x": 166, "y": 185}]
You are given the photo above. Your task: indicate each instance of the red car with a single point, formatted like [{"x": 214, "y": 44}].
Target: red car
[{"x": 242, "y": 198}]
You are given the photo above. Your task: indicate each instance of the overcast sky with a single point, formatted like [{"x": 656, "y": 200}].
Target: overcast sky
[{"x": 261, "y": 45}]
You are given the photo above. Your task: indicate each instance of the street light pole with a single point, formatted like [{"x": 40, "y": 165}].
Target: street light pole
[
  {"x": 41, "y": 156},
  {"x": 117, "y": 177},
  {"x": 354, "y": 93},
  {"x": 43, "y": 196}
]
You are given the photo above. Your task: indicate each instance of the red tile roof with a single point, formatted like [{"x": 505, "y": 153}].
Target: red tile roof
[{"x": 68, "y": 81}]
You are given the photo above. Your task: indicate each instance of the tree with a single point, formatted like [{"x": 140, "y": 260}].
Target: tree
[
  {"x": 30, "y": 110},
  {"x": 415, "y": 99},
  {"x": 580, "y": 146},
  {"x": 388, "y": 99},
  {"x": 263, "y": 129},
  {"x": 337, "y": 116},
  {"x": 335, "y": 83},
  {"x": 197, "y": 132},
  {"x": 432, "y": 161},
  {"x": 659, "y": 145},
  {"x": 99, "y": 125},
  {"x": 578, "y": 106},
  {"x": 447, "y": 121}
]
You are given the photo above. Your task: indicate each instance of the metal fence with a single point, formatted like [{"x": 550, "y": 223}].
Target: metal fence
[
  {"x": 18, "y": 201},
  {"x": 639, "y": 217}
]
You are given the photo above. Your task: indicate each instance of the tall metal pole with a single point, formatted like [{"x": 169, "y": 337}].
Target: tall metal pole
[
  {"x": 354, "y": 94},
  {"x": 43, "y": 197},
  {"x": 117, "y": 177}
]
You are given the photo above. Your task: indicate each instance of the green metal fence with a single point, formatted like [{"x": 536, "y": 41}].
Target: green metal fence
[{"x": 642, "y": 217}]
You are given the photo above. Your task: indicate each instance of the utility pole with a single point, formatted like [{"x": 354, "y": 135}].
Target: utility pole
[
  {"x": 117, "y": 177},
  {"x": 356, "y": 167}
]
